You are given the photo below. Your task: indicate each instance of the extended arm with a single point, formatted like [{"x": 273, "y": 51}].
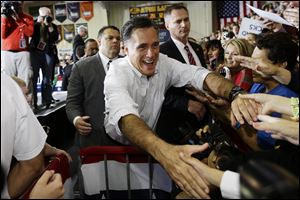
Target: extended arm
[{"x": 184, "y": 175}]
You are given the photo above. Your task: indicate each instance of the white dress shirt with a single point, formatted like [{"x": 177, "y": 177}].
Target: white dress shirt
[
  {"x": 127, "y": 91},
  {"x": 105, "y": 60},
  {"x": 230, "y": 185},
  {"x": 180, "y": 46}
]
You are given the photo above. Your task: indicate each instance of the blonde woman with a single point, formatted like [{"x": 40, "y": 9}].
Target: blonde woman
[{"x": 239, "y": 75}]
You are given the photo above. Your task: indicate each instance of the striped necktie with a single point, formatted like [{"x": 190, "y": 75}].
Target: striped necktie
[{"x": 190, "y": 56}]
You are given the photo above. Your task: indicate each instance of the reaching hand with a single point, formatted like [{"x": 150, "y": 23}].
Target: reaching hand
[
  {"x": 279, "y": 128},
  {"x": 262, "y": 67},
  {"x": 49, "y": 186},
  {"x": 200, "y": 96},
  {"x": 184, "y": 175},
  {"x": 197, "y": 108},
  {"x": 213, "y": 176},
  {"x": 206, "y": 98},
  {"x": 243, "y": 109},
  {"x": 270, "y": 103},
  {"x": 83, "y": 126}
]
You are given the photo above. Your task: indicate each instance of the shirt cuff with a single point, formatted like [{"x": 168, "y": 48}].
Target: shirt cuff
[
  {"x": 230, "y": 185},
  {"x": 75, "y": 119},
  {"x": 112, "y": 126}
]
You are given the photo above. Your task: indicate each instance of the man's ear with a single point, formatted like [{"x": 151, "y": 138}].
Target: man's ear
[
  {"x": 284, "y": 64},
  {"x": 167, "y": 25},
  {"x": 126, "y": 49},
  {"x": 99, "y": 42}
]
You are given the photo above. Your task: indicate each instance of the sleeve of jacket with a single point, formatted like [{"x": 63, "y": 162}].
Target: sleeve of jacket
[
  {"x": 4, "y": 27},
  {"x": 28, "y": 24},
  {"x": 75, "y": 97}
]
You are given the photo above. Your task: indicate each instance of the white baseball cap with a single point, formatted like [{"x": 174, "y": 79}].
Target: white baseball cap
[{"x": 43, "y": 11}]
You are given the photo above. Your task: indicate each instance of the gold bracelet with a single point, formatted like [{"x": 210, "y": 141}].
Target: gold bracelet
[{"x": 295, "y": 108}]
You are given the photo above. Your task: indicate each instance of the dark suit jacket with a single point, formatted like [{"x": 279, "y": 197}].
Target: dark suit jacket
[
  {"x": 174, "y": 113},
  {"x": 85, "y": 97},
  {"x": 77, "y": 41}
]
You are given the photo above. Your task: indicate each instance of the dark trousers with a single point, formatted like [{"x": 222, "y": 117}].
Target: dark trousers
[{"x": 41, "y": 60}]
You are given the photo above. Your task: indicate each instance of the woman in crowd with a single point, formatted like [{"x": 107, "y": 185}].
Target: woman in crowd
[
  {"x": 215, "y": 54},
  {"x": 239, "y": 75}
]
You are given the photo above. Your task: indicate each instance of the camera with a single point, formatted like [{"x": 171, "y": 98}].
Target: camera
[
  {"x": 225, "y": 71},
  {"x": 48, "y": 19},
  {"x": 9, "y": 8},
  {"x": 215, "y": 138}
]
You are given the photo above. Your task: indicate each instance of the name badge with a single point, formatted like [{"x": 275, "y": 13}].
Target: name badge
[
  {"x": 41, "y": 46},
  {"x": 22, "y": 44}
]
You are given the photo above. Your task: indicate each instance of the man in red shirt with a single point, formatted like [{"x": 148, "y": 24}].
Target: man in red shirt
[{"x": 16, "y": 28}]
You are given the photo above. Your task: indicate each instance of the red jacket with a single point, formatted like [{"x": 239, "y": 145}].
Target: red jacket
[{"x": 12, "y": 31}]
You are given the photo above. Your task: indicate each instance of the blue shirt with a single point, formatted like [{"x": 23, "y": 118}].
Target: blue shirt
[{"x": 264, "y": 139}]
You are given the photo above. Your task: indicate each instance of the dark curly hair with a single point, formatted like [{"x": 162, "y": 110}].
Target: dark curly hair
[{"x": 281, "y": 48}]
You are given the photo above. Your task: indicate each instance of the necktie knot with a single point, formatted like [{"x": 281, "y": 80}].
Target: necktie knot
[
  {"x": 108, "y": 64},
  {"x": 187, "y": 48}
]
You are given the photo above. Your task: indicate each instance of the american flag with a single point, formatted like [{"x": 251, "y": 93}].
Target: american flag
[{"x": 233, "y": 11}]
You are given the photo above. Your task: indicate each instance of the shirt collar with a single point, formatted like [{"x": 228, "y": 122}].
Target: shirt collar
[
  {"x": 105, "y": 59},
  {"x": 180, "y": 45}
]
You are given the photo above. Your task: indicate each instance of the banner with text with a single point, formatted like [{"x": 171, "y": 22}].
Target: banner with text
[
  {"x": 73, "y": 10},
  {"x": 69, "y": 32},
  {"x": 86, "y": 10},
  {"x": 250, "y": 26},
  {"x": 60, "y": 12}
]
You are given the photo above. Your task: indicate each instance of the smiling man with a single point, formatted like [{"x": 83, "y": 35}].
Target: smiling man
[{"x": 134, "y": 89}]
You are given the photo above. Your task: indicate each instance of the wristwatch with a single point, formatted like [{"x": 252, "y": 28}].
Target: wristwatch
[{"x": 236, "y": 90}]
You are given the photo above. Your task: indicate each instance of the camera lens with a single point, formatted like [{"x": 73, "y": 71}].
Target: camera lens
[
  {"x": 223, "y": 72},
  {"x": 48, "y": 19}
]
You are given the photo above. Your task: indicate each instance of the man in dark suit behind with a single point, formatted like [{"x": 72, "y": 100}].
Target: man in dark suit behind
[
  {"x": 180, "y": 112},
  {"x": 85, "y": 99},
  {"x": 78, "y": 40}
]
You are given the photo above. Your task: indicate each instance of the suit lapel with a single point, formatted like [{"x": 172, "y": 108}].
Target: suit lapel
[
  {"x": 176, "y": 52},
  {"x": 99, "y": 65}
]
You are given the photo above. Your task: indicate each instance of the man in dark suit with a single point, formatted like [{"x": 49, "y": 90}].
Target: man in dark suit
[
  {"x": 180, "y": 113},
  {"x": 85, "y": 99},
  {"x": 78, "y": 40}
]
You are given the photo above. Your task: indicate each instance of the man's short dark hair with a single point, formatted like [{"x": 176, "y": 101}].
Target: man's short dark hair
[
  {"x": 79, "y": 51},
  {"x": 281, "y": 48},
  {"x": 89, "y": 40},
  {"x": 101, "y": 31},
  {"x": 175, "y": 7},
  {"x": 135, "y": 23}
]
